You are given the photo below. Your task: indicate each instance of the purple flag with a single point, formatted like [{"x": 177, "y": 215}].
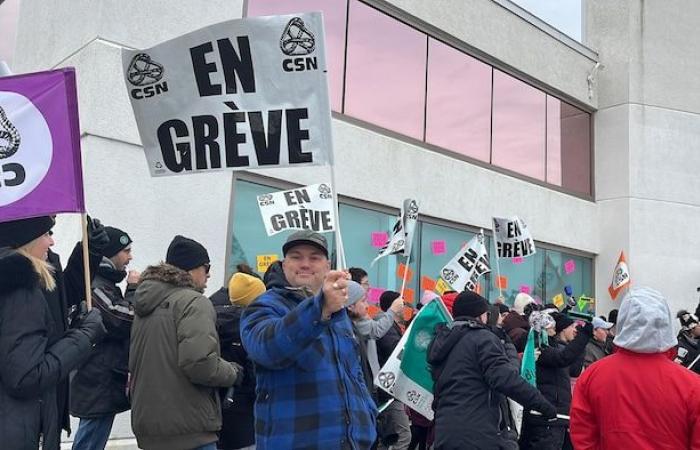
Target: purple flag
[{"x": 40, "y": 169}]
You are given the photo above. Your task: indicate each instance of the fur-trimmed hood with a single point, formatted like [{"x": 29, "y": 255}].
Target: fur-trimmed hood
[
  {"x": 155, "y": 285},
  {"x": 16, "y": 272}
]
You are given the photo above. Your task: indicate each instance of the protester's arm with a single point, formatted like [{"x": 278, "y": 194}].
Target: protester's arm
[
  {"x": 501, "y": 376},
  {"x": 74, "y": 273},
  {"x": 589, "y": 357},
  {"x": 375, "y": 329},
  {"x": 583, "y": 423},
  {"x": 117, "y": 317},
  {"x": 567, "y": 355},
  {"x": 275, "y": 338},
  {"x": 198, "y": 345},
  {"x": 28, "y": 365}
]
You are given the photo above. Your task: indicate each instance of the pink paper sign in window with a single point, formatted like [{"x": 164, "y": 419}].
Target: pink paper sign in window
[{"x": 385, "y": 72}]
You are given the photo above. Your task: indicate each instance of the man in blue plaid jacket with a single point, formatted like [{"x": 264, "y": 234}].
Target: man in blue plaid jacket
[{"x": 311, "y": 392}]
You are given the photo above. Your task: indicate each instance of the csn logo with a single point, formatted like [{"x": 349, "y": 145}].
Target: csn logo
[
  {"x": 298, "y": 42},
  {"x": 145, "y": 74},
  {"x": 9, "y": 144}
]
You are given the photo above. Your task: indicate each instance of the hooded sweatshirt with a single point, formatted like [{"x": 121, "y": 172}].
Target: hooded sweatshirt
[{"x": 637, "y": 397}]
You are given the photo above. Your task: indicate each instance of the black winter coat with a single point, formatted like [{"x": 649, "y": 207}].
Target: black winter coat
[
  {"x": 238, "y": 426},
  {"x": 555, "y": 367},
  {"x": 688, "y": 351},
  {"x": 473, "y": 375},
  {"x": 385, "y": 346},
  {"x": 36, "y": 356},
  {"x": 99, "y": 387}
]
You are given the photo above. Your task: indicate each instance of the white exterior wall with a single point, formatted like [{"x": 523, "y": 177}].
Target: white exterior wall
[{"x": 647, "y": 144}]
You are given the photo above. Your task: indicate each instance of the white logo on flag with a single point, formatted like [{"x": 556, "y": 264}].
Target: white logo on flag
[
  {"x": 402, "y": 234},
  {"x": 28, "y": 147}
]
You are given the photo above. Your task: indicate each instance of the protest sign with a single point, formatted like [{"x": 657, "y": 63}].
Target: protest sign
[
  {"x": 40, "y": 166},
  {"x": 305, "y": 208},
  {"x": 462, "y": 272},
  {"x": 402, "y": 234},
  {"x": 406, "y": 375},
  {"x": 621, "y": 277},
  {"x": 512, "y": 237},
  {"x": 249, "y": 93}
]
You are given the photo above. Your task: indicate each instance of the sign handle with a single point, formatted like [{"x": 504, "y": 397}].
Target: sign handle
[
  {"x": 86, "y": 261},
  {"x": 405, "y": 275},
  {"x": 341, "y": 264}
]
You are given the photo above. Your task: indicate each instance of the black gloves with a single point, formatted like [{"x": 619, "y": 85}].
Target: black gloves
[
  {"x": 97, "y": 236},
  {"x": 586, "y": 329},
  {"x": 548, "y": 411},
  {"x": 91, "y": 326}
]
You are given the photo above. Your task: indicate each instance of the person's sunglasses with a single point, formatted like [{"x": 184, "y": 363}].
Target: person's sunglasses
[{"x": 207, "y": 268}]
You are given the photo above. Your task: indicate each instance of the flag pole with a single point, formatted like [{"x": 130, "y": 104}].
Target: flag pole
[
  {"x": 86, "y": 261},
  {"x": 405, "y": 275},
  {"x": 341, "y": 264},
  {"x": 498, "y": 264}
]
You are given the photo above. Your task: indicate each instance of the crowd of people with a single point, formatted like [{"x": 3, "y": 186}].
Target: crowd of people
[{"x": 287, "y": 361}]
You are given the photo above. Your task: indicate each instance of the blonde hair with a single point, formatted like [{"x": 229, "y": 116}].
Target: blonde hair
[{"x": 41, "y": 267}]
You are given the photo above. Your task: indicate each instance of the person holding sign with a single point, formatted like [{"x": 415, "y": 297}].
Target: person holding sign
[
  {"x": 36, "y": 355},
  {"x": 310, "y": 384}
]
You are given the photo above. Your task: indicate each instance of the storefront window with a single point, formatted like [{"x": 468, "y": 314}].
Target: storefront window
[{"x": 543, "y": 275}]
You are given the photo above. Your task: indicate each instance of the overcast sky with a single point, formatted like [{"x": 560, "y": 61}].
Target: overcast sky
[
  {"x": 564, "y": 15},
  {"x": 8, "y": 25}
]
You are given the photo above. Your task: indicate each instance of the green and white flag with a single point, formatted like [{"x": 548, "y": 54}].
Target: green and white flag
[
  {"x": 527, "y": 368},
  {"x": 406, "y": 374}
]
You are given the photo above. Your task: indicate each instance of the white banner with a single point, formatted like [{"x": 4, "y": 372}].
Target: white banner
[
  {"x": 401, "y": 237},
  {"x": 513, "y": 238},
  {"x": 472, "y": 261},
  {"x": 249, "y": 93},
  {"x": 306, "y": 208}
]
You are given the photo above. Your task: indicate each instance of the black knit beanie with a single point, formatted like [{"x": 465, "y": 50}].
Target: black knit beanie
[
  {"x": 469, "y": 304},
  {"x": 186, "y": 254},
  {"x": 562, "y": 321},
  {"x": 17, "y": 233},
  {"x": 387, "y": 298},
  {"x": 118, "y": 241}
]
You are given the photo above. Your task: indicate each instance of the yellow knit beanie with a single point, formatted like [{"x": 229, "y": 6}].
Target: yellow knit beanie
[{"x": 244, "y": 288}]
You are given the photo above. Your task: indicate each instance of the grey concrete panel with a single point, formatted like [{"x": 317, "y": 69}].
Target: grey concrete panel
[
  {"x": 612, "y": 152},
  {"x": 49, "y": 32},
  {"x": 664, "y": 155},
  {"x": 614, "y": 223}
]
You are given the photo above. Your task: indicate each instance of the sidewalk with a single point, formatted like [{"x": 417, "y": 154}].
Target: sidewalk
[{"x": 121, "y": 437}]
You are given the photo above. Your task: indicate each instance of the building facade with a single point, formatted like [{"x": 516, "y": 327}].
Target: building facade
[{"x": 476, "y": 108}]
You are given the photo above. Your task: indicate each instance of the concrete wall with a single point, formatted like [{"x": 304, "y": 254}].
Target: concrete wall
[{"x": 646, "y": 147}]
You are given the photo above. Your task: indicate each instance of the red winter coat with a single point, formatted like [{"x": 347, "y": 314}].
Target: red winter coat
[{"x": 636, "y": 401}]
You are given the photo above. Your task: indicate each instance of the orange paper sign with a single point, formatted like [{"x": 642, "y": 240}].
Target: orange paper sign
[
  {"x": 407, "y": 314},
  {"x": 408, "y": 296},
  {"x": 427, "y": 283},
  {"x": 400, "y": 272},
  {"x": 373, "y": 310},
  {"x": 501, "y": 282}
]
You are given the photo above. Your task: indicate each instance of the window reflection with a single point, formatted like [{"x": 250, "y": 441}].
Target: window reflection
[
  {"x": 553, "y": 141},
  {"x": 458, "y": 115},
  {"x": 518, "y": 126},
  {"x": 576, "y": 149},
  {"x": 385, "y": 80},
  {"x": 334, "y": 19}
]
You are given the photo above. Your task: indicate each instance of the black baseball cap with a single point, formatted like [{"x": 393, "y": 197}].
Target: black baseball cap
[{"x": 306, "y": 237}]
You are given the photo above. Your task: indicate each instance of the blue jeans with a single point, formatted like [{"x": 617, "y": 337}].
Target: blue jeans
[
  {"x": 211, "y": 446},
  {"x": 93, "y": 434}
]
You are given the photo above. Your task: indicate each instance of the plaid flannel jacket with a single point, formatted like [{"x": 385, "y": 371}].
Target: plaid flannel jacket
[{"x": 310, "y": 391}]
